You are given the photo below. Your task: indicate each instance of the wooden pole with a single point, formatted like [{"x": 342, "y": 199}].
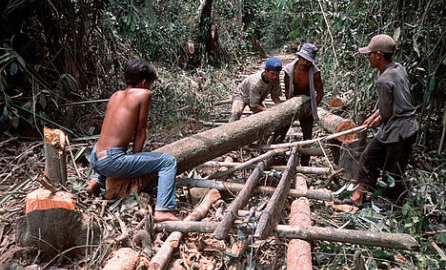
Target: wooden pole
[
  {"x": 274, "y": 208},
  {"x": 366, "y": 238},
  {"x": 55, "y": 155},
  {"x": 299, "y": 169},
  {"x": 315, "y": 194},
  {"x": 299, "y": 251},
  {"x": 308, "y": 142},
  {"x": 246, "y": 164},
  {"x": 162, "y": 257},
  {"x": 199, "y": 148},
  {"x": 241, "y": 200}
]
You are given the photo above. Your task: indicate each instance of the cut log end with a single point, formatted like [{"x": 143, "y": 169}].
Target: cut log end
[
  {"x": 337, "y": 103},
  {"x": 346, "y": 125},
  {"x": 42, "y": 199}
]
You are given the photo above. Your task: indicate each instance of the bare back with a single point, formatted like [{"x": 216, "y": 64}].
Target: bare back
[{"x": 127, "y": 113}]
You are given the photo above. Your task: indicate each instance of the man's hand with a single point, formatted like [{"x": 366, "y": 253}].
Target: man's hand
[{"x": 373, "y": 121}]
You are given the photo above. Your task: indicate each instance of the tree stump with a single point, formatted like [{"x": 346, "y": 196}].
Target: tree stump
[
  {"x": 55, "y": 230},
  {"x": 55, "y": 156},
  {"x": 122, "y": 187}
]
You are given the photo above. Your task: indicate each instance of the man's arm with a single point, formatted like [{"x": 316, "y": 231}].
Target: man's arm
[
  {"x": 276, "y": 100},
  {"x": 319, "y": 87},
  {"x": 140, "y": 132},
  {"x": 373, "y": 121},
  {"x": 286, "y": 80},
  {"x": 385, "y": 99}
]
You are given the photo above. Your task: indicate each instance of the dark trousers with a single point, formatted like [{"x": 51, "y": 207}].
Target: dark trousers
[
  {"x": 306, "y": 124},
  {"x": 385, "y": 158}
]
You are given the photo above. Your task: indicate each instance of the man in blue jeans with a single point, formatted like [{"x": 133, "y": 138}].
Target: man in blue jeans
[{"x": 126, "y": 118}]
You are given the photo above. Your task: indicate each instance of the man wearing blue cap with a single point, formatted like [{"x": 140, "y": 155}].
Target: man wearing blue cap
[
  {"x": 255, "y": 88},
  {"x": 302, "y": 77}
]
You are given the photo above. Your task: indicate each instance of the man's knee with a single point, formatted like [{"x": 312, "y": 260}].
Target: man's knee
[{"x": 170, "y": 160}]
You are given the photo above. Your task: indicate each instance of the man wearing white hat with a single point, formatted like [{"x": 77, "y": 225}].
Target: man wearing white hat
[
  {"x": 387, "y": 154},
  {"x": 302, "y": 77}
]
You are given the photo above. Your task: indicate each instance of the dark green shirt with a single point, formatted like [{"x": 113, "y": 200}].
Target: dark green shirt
[{"x": 395, "y": 105}]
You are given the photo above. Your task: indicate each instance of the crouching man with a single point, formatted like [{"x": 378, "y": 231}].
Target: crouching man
[{"x": 126, "y": 118}]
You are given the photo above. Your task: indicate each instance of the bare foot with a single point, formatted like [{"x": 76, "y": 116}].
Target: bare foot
[
  {"x": 161, "y": 216},
  {"x": 355, "y": 201},
  {"x": 93, "y": 187}
]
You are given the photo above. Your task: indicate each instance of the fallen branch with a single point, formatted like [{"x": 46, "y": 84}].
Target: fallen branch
[
  {"x": 162, "y": 257},
  {"x": 315, "y": 194},
  {"x": 242, "y": 198},
  {"x": 366, "y": 238}
]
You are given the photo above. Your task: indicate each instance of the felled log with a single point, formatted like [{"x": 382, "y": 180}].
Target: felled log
[
  {"x": 199, "y": 148},
  {"x": 315, "y": 194},
  {"x": 55, "y": 156},
  {"x": 274, "y": 208},
  {"x": 335, "y": 124},
  {"x": 126, "y": 259},
  {"x": 239, "y": 202},
  {"x": 162, "y": 257},
  {"x": 55, "y": 230},
  {"x": 366, "y": 238},
  {"x": 337, "y": 102},
  {"x": 299, "y": 251}
]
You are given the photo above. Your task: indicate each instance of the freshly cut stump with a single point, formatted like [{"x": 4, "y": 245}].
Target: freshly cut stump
[{"x": 41, "y": 199}]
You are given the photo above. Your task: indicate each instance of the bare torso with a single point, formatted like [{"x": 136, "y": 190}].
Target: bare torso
[
  {"x": 127, "y": 113},
  {"x": 301, "y": 82}
]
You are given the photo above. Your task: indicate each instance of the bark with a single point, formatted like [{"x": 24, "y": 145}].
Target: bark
[
  {"x": 55, "y": 230},
  {"x": 126, "y": 259},
  {"x": 162, "y": 257},
  {"x": 55, "y": 155},
  {"x": 239, "y": 202},
  {"x": 275, "y": 205},
  {"x": 315, "y": 194},
  {"x": 366, "y": 238},
  {"x": 335, "y": 124},
  {"x": 199, "y": 148},
  {"x": 299, "y": 251}
]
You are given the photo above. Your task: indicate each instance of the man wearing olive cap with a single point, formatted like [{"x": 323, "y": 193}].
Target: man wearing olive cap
[
  {"x": 302, "y": 77},
  {"x": 387, "y": 154},
  {"x": 255, "y": 88}
]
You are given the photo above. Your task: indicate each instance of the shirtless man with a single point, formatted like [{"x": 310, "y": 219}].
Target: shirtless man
[
  {"x": 126, "y": 117},
  {"x": 302, "y": 77}
]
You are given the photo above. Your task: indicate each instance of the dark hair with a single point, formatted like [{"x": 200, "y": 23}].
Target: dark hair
[
  {"x": 137, "y": 70},
  {"x": 388, "y": 56}
]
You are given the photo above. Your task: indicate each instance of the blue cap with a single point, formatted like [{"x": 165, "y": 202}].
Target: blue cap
[
  {"x": 308, "y": 51},
  {"x": 273, "y": 64}
]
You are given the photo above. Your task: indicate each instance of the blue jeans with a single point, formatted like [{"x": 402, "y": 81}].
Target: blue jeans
[{"x": 118, "y": 163}]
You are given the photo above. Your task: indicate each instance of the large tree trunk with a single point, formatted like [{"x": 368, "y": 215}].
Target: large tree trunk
[
  {"x": 366, "y": 238},
  {"x": 199, "y": 148}
]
